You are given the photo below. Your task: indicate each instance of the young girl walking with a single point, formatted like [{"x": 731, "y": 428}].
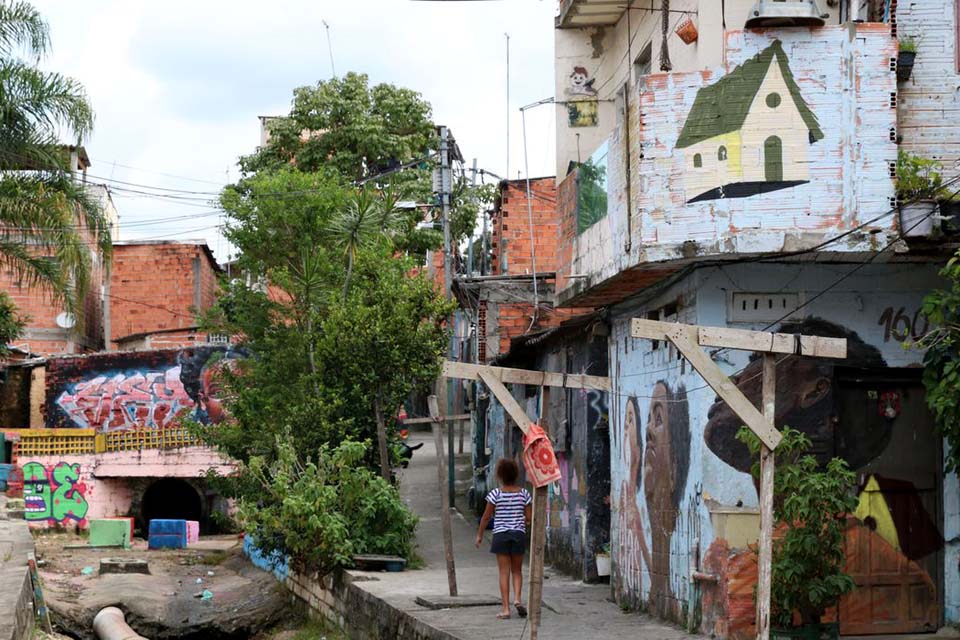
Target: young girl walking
[{"x": 509, "y": 506}]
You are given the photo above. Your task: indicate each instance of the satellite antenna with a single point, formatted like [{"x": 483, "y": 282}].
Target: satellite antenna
[{"x": 66, "y": 320}]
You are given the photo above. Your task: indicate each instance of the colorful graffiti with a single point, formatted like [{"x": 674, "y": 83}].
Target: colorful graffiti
[
  {"x": 142, "y": 394},
  {"x": 748, "y": 133},
  {"x": 54, "y": 494}
]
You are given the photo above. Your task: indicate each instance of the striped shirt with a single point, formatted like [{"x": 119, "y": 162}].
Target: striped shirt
[{"x": 509, "y": 508}]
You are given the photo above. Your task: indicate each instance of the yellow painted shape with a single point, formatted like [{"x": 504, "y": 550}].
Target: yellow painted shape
[{"x": 872, "y": 504}]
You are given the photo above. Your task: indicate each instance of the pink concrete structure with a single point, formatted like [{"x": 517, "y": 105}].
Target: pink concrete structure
[{"x": 193, "y": 531}]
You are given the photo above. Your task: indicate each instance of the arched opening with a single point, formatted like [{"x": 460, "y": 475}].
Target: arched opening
[
  {"x": 171, "y": 499},
  {"x": 697, "y": 161},
  {"x": 722, "y": 153},
  {"x": 773, "y": 159}
]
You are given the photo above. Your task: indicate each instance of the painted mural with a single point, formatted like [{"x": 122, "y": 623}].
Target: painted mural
[
  {"x": 118, "y": 391},
  {"x": 787, "y": 137},
  {"x": 748, "y": 133},
  {"x": 54, "y": 494},
  {"x": 893, "y": 537}
]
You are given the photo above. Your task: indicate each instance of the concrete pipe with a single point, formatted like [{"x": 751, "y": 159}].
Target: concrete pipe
[{"x": 111, "y": 624}]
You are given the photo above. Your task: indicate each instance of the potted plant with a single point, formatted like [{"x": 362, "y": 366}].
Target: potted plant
[
  {"x": 603, "y": 561},
  {"x": 919, "y": 186},
  {"x": 810, "y": 508},
  {"x": 906, "y": 54}
]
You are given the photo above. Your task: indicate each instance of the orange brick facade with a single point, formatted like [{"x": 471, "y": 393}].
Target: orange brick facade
[
  {"x": 160, "y": 287},
  {"x": 514, "y": 314},
  {"x": 43, "y": 335}
]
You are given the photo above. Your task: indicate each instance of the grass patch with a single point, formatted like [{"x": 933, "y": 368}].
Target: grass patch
[{"x": 308, "y": 630}]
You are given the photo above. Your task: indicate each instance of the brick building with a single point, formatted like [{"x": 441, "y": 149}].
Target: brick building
[
  {"x": 506, "y": 304},
  {"x": 157, "y": 289},
  {"x": 50, "y": 329}
]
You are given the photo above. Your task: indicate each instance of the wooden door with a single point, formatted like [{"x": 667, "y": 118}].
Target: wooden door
[{"x": 893, "y": 594}]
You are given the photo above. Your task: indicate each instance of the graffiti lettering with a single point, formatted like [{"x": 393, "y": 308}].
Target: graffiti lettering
[
  {"x": 53, "y": 494},
  {"x": 900, "y": 325},
  {"x": 127, "y": 400}
]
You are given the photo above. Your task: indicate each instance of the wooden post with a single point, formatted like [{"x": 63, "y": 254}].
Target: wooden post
[
  {"x": 538, "y": 536},
  {"x": 767, "y": 465},
  {"x": 382, "y": 440},
  {"x": 446, "y": 525}
]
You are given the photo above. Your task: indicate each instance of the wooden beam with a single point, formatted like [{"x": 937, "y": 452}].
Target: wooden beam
[
  {"x": 820, "y": 347},
  {"x": 468, "y": 371},
  {"x": 510, "y": 404},
  {"x": 446, "y": 524},
  {"x": 456, "y": 418},
  {"x": 760, "y": 341},
  {"x": 747, "y": 340},
  {"x": 685, "y": 339}
]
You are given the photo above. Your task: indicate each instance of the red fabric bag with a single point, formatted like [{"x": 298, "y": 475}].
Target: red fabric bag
[{"x": 538, "y": 457}]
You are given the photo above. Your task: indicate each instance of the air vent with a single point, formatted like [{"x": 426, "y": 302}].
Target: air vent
[{"x": 750, "y": 306}]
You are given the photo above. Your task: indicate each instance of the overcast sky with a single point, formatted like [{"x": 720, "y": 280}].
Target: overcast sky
[{"x": 177, "y": 86}]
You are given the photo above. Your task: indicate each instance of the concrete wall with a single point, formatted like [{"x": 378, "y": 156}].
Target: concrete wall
[
  {"x": 16, "y": 596},
  {"x": 72, "y": 489},
  {"x": 678, "y": 476}
]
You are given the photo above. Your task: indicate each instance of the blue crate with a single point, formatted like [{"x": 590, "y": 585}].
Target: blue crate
[
  {"x": 4, "y": 472},
  {"x": 167, "y": 541},
  {"x": 178, "y": 527}
]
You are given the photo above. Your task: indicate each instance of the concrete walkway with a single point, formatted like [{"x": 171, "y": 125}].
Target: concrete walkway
[
  {"x": 16, "y": 594},
  {"x": 575, "y": 610}
]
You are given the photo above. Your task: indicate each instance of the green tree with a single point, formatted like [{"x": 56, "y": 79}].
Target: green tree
[
  {"x": 941, "y": 374},
  {"x": 43, "y": 211},
  {"x": 381, "y": 135},
  {"x": 327, "y": 353}
]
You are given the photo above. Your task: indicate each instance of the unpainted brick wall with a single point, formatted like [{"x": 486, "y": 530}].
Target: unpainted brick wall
[
  {"x": 152, "y": 287},
  {"x": 511, "y": 227}
]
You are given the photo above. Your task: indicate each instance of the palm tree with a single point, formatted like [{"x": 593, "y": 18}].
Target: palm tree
[
  {"x": 366, "y": 219},
  {"x": 47, "y": 220}
]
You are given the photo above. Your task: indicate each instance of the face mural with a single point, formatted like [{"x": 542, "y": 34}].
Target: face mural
[
  {"x": 805, "y": 402},
  {"x": 115, "y": 392},
  {"x": 633, "y": 553},
  {"x": 665, "y": 466},
  {"x": 54, "y": 494}
]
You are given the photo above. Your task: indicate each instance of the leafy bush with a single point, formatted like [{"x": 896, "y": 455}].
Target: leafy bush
[
  {"x": 320, "y": 514},
  {"x": 811, "y": 504},
  {"x": 918, "y": 178}
]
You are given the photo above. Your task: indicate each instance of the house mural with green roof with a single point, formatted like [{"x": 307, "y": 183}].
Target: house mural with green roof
[{"x": 749, "y": 132}]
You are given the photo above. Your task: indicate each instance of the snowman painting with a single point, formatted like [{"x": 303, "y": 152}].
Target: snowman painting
[{"x": 580, "y": 83}]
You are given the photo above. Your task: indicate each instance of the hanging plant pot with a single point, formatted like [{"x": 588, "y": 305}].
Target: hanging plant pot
[
  {"x": 917, "y": 218},
  {"x": 829, "y": 631},
  {"x": 687, "y": 31},
  {"x": 905, "y": 65},
  {"x": 603, "y": 565}
]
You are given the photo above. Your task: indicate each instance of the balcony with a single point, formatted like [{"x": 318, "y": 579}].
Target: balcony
[
  {"x": 787, "y": 146},
  {"x": 579, "y": 14}
]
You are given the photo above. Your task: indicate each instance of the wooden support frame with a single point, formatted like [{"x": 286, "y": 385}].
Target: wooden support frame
[
  {"x": 690, "y": 340},
  {"x": 445, "y": 519},
  {"x": 494, "y": 378}
]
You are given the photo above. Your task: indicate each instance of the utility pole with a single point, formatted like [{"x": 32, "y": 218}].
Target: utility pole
[{"x": 446, "y": 188}]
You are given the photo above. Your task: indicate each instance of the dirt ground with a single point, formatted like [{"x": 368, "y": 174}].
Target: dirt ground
[{"x": 167, "y": 603}]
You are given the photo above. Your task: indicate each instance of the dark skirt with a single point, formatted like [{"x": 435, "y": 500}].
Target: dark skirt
[{"x": 510, "y": 542}]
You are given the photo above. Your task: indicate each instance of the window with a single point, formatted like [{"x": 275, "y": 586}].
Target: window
[
  {"x": 643, "y": 65},
  {"x": 697, "y": 161},
  {"x": 592, "y": 189},
  {"x": 773, "y": 100},
  {"x": 722, "y": 153}
]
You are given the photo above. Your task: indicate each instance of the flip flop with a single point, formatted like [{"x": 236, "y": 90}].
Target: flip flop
[
  {"x": 521, "y": 610},
  {"x": 503, "y": 616}
]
